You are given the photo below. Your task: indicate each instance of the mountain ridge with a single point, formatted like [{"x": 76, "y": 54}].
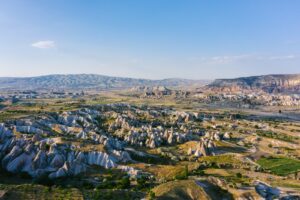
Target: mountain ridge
[
  {"x": 87, "y": 81},
  {"x": 272, "y": 83}
]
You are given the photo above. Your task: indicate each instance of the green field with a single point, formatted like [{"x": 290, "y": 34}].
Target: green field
[{"x": 280, "y": 165}]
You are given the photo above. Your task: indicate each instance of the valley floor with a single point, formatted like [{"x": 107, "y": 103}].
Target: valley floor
[{"x": 149, "y": 148}]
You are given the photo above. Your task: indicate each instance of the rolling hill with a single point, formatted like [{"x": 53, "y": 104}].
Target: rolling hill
[{"x": 87, "y": 81}]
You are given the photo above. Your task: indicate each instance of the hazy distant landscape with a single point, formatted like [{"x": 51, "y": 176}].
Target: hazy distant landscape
[{"x": 89, "y": 81}]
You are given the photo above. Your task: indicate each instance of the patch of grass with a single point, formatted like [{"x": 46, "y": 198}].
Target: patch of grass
[
  {"x": 150, "y": 159},
  {"x": 109, "y": 194},
  {"x": 224, "y": 161},
  {"x": 39, "y": 192},
  {"x": 277, "y": 136},
  {"x": 280, "y": 165},
  {"x": 183, "y": 189}
]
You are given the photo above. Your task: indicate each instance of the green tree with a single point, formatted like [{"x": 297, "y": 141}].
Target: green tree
[
  {"x": 152, "y": 195},
  {"x": 124, "y": 183},
  {"x": 141, "y": 182},
  {"x": 186, "y": 171},
  {"x": 239, "y": 175}
]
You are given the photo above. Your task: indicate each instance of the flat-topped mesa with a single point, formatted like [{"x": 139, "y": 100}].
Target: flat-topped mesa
[{"x": 281, "y": 83}]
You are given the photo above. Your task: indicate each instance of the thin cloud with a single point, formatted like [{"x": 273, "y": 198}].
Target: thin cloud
[
  {"x": 221, "y": 59},
  {"x": 46, "y": 44},
  {"x": 227, "y": 59},
  {"x": 241, "y": 58},
  {"x": 287, "y": 57}
]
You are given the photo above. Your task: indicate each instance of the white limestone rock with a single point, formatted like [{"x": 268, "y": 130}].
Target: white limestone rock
[
  {"x": 121, "y": 156},
  {"x": 57, "y": 161},
  {"x": 15, "y": 152},
  {"x": 197, "y": 153},
  {"x": 227, "y": 136},
  {"x": 59, "y": 173},
  {"x": 133, "y": 173},
  {"x": 76, "y": 168},
  {"x": 21, "y": 163},
  {"x": 81, "y": 157},
  {"x": 101, "y": 159},
  {"x": 82, "y": 135},
  {"x": 40, "y": 160}
]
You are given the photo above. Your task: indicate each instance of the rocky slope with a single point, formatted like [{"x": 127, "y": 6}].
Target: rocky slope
[
  {"x": 158, "y": 92},
  {"x": 281, "y": 83},
  {"x": 87, "y": 81},
  {"x": 52, "y": 144}
]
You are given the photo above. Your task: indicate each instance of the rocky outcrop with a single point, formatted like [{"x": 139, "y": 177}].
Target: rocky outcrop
[
  {"x": 34, "y": 144},
  {"x": 250, "y": 99},
  {"x": 289, "y": 83},
  {"x": 266, "y": 191},
  {"x": 205, "y": 147},
  {"x": 101, "y": 159}
]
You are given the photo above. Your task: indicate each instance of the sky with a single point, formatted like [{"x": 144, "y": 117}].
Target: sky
[{"x": 155, "y": 39}]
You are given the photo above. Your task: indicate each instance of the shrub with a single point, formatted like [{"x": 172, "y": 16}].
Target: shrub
[
  {"x": 43, "y": 180},
  {"x": 152, "y": 195},
  {"x": 239, "y": 175},
  {"x": 87, "y": 185},
  {"x": 186, "y": 171},
  {"x": 25, "y": 175},
  {"x": 107, "y": 185},
  {"x": 124, "y": 183},
  {"x": 141, "y": 182}
]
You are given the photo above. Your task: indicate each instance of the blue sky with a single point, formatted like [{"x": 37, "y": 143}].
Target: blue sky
[{"x": 197, "y": 39}]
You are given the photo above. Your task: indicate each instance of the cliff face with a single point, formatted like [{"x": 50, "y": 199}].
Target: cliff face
[{"x": 268, "y": 83}]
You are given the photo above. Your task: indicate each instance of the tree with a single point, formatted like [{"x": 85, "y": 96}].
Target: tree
[
  {"x": 239, "y": 175},
  {"x": 186, "y": 171},
  {"x": 141, "y": 182},
  {"x": 124, "y": 183},
  {"x": 152, "y": 195}
]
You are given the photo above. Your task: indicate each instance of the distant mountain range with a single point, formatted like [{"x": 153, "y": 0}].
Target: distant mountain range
[
  {"x": 88, "y": 81},
  {"x": 280, "y": 83}
]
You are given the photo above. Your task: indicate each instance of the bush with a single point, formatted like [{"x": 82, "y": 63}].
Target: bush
[
  {"x": 186, "y": 171},
  {"x": 107, "y": 185},
  {"x": 141, "y": 182},
  {"x": 124, "y": 183},
  {"x": 152, "y": 195},
  {"x": 239, "y": 175},
  {"x": 199, "y": 172},
  {"x": 25, "y": 175},
  {"x": 180, "y": 177},
  {"x": 87, "y": 185},
  {"x": 44, "y": 180}
]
